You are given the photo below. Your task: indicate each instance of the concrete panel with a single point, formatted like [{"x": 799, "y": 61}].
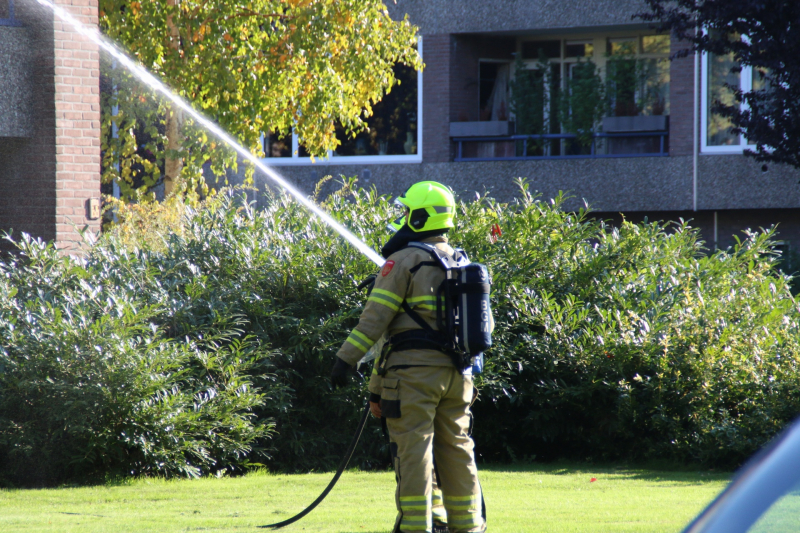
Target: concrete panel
[
  {"x": 644, "y": 184},
  {"x": 465, "y": 16},
  {"x": 16, "y": 113},
  {"x": 487, "y": 128},
  {"x": 738, "y": 182}
]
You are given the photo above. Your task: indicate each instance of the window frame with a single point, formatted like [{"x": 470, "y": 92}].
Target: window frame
[{"x": 330, "y": 159}]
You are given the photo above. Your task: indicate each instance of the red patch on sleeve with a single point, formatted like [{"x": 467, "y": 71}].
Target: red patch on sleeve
[{"x": 387, "y": 267}]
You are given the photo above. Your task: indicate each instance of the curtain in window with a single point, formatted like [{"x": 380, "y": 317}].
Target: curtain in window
[{"x": 499, "y": 96}]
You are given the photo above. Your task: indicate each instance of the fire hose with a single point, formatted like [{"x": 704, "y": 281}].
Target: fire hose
[{"x": 345, "y": 460}]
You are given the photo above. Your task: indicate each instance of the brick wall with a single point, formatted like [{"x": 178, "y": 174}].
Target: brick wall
[
  {"x": 681, "y": 102},
  {"x": 464, "y": 82},
  {"x": 77, "y": 122},
  {"x": 47, "y": 177},
  {"x": 436, "y": 98}
]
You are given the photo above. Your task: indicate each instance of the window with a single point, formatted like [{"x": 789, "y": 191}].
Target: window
[
  {"x": 636, "y": 68},
  {"x": 394, "y": 135},
  {"x": 718, "y": 81},
  {"x": 579, "y": 48},
  {"x": 637, "y": 71},
  {"x": 536, "y": 49},
  {"x": 493, "y": 90}
]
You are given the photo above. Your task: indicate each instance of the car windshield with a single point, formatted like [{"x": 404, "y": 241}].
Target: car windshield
[{"x": 783, "y": 516}]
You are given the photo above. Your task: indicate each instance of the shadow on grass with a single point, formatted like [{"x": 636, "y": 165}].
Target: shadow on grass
[{"x": 645, "y": 472}]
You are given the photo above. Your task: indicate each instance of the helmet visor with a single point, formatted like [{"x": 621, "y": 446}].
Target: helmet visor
[{"x": 397, "y": 224}]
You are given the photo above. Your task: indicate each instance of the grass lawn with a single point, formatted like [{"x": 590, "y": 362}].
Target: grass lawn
[{"x": 531, "y": 498}]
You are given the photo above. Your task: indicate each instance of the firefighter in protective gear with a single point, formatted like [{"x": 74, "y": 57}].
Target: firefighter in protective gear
[{"x": 415, "y": 386}]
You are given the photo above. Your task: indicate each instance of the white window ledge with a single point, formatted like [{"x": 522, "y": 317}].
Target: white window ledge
[{"x": 343, "y": 160}]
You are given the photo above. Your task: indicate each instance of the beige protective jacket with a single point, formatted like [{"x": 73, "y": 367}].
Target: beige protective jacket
[{"x": 383, "y": 312}]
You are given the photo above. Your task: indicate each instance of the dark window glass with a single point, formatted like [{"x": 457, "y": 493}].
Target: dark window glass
[
  {"x": 578, "y": 49},
  {"x": 722, "y": 76},
  {"x": 275, "y": 146},
  {"x": 550, "y": 49},
  {"x": 487, "y": 76},
  {"x": 621, "y": 80},
  {"x": 393, "y": 124},
  {"x": 5, "y": 12}
]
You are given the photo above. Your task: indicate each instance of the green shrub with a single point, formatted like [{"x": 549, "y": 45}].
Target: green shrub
[
  {"x": 90, "y": 386},
  {"x": 633, "y": 342},
  {"x": 209, "y": 349}
]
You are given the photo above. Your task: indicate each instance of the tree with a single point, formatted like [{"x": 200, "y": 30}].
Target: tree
[
  {"x": 255, "y": 67},
  {"x": 761, "y": 34},
  {"x": 582, "y": 104},
  {"x": 529, "y": 101}
]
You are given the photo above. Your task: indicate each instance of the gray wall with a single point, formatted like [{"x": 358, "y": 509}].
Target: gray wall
[
  {"x": 27, "y": 147},
  {"x": 467, "y": 16},
  {"x": 15, "y": 82},
  {"x": 614, "y": 184}
]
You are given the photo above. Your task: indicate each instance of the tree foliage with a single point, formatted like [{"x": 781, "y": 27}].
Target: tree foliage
[
  {"x": 581, "y": 105},
  {"x": 255, "y": 67},
  {"x": 761, "y": 34}
]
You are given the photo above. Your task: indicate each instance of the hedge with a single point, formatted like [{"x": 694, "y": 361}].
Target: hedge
[{"x": 206, "y": 349}]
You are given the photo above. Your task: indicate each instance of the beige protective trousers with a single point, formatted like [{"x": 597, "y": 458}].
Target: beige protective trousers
[{"x": 434, "y": 419}]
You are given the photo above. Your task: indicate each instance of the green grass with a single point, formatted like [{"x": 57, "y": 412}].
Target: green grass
[
  {"x": 529, "y": 498},
  {"x": 781, "y": 517}
]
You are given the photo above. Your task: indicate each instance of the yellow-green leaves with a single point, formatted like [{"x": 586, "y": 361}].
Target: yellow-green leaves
[{"x": 260, "y": 66}]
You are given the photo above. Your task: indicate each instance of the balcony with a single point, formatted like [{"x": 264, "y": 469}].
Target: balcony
[{"x": 641, "y": 136}]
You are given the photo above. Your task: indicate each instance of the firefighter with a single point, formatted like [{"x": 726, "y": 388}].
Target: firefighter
[{"x": 424, "y": 398}]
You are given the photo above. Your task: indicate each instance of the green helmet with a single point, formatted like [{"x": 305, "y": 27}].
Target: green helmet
[{"x": 431, "y": 207}]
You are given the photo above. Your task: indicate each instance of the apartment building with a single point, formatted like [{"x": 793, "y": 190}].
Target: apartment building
[
  {"x": 656, "y": 149},
  {"x": 574, "y": 96}
]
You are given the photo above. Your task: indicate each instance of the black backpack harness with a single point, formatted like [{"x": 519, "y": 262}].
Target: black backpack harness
[{"x": 463, "y": 313}]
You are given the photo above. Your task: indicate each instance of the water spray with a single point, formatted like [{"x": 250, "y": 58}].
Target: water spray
[{"x": 140, "y": 72}]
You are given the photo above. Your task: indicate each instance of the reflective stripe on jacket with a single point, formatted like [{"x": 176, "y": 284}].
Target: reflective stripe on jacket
[{"x": 383, "y": 311}]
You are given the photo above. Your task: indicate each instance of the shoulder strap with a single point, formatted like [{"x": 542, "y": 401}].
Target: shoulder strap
[
  {"x": 446, "y": 261},
  {"x": 441, "y": 260}
]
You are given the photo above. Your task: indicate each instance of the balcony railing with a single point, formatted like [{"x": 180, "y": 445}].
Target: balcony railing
[
  {"x": 7, "y": 14},
  {"x": 561, "y": 146}
]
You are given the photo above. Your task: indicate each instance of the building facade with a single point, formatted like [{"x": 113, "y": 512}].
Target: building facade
[
  {"x": 49, "y": 123},
  {"x": 661, "y": 153},
  {"x": 501, "y": 97}
]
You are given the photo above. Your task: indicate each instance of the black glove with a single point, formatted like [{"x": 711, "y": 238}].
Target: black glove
[{"x": 339, "y": 373}]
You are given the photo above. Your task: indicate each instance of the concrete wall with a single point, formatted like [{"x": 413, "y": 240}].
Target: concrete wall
[
  {"x": 470, "y": 16},
  {"x": 27, "y": 164},
  {"x": 614, "y": 184},
  {"x": 16, "y": 83},
  {"x": 49, "y": 174}
]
